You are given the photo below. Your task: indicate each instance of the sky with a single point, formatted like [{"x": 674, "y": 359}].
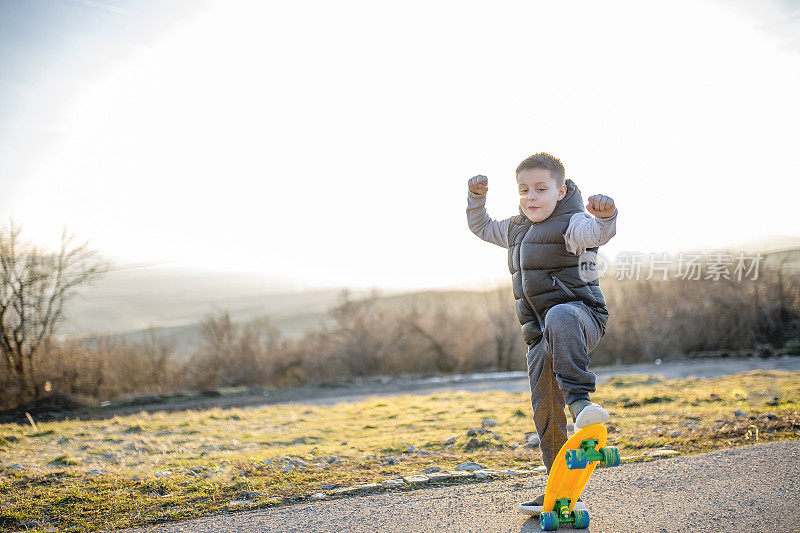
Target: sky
[{"x": 330, "y": 143}]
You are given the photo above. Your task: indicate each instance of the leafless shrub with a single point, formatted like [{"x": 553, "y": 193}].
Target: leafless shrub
[
  {"x": 378, "y": 336},
  {"x": 229, "y": 354},
  {"x": 657, "y": 318}
]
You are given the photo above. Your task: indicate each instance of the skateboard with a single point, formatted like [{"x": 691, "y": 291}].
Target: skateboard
[{"x": 572, "y": 468}]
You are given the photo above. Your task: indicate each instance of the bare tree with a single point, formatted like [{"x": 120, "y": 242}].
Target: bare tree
[
  {"x": 359, "y": 338},
  {"x": 217, "y": 345},
  {"x": 35, "y": 285},
  {"x": 443, "y": 358},
  {"x": 230, "y": 354}
]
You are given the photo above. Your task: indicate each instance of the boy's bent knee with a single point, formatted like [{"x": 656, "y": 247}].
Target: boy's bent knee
[{"x": 561, "y": 315}]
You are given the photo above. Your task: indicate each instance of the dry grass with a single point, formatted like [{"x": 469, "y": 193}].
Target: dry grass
[{"x": 214, "y": 455}]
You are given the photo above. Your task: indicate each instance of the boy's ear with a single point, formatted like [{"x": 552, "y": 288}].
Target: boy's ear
[{"x": 562, "y": 191}]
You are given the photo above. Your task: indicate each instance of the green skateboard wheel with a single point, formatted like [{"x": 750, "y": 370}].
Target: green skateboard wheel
[
  {"x": 581, "y": 520},
  {"x": 576, "y": 459},
  {"x": 548, "y": 521},
  {"x": 610, "y": 456}
]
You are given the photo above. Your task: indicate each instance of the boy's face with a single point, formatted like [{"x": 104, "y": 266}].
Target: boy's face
[{"x": 538, "y": 193}]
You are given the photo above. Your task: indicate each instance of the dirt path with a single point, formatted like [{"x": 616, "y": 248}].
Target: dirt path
[{"x": 753, "y": 488}]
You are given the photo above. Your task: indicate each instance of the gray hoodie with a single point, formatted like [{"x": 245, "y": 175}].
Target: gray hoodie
[{"x": 584, "y": 230}]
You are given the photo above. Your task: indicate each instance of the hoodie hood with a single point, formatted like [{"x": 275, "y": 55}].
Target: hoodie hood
[{"x": 571, "y": 203}]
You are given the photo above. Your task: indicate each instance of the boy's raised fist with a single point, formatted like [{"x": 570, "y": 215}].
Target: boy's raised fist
[
  {"x": 479, "y": 184},
  {"x": 601, "y": 206}
]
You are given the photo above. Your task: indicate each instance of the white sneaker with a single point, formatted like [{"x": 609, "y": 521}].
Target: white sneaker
[{"x": 591, "y": 414}]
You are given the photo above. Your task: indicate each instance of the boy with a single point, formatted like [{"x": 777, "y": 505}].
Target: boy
[{"x": 562, "y": 311}]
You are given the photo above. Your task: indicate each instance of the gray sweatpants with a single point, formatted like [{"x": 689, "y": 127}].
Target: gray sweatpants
[{"x": 558, "y": 371}]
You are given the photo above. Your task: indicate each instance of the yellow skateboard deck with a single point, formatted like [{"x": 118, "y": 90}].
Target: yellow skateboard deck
[{"x": 571, "y": 470}]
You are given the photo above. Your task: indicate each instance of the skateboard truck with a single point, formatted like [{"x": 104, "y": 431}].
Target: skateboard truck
[
  {"x": 562, "y": 507},
  {"x": 587, "y": 453}
]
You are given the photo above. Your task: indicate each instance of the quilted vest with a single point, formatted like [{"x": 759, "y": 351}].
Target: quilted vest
[{"x": 544, "y": 273}]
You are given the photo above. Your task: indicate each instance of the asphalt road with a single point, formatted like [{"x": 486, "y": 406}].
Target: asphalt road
[{"x": 753, "y": 488}]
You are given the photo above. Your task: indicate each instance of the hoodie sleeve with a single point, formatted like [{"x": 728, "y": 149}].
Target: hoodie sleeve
[
  {"x": 585, "y": 231},
  {"x": 479, "y": 222}
]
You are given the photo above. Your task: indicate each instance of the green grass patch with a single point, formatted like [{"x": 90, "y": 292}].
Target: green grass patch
[{"x": 63, "y": 460}]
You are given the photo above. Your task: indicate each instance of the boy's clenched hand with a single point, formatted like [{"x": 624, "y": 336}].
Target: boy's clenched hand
[
  {"x": 478, "y": 184},
  {"x": 601, "y": 206}
]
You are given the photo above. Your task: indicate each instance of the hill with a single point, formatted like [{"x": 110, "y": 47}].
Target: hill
[{"x": 130, "y": 303}]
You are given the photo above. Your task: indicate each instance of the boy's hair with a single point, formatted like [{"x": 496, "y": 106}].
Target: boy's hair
[{"x": 547, "y": 162}]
